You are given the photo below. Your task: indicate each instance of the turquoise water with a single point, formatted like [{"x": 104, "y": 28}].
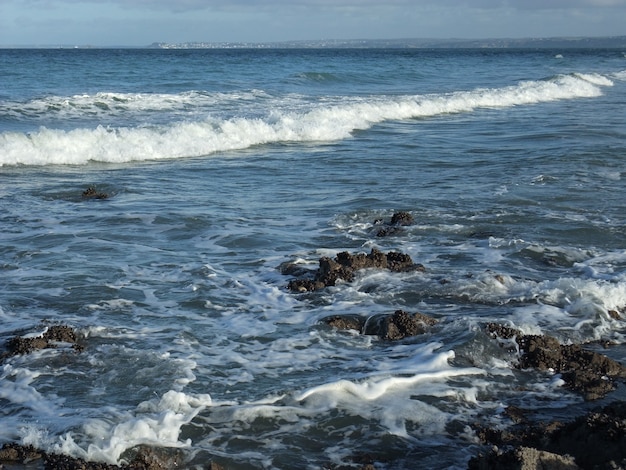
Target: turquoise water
[{"x": 221, "y": 165}]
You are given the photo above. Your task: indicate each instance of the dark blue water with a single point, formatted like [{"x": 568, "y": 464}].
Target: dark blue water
[{"x": 221, "y": 165}]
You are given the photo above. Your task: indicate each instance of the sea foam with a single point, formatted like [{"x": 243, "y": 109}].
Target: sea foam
[{"x": 286, "y": 121}]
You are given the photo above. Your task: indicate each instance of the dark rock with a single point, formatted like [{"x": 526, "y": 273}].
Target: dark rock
[
  {"x": 11, "y": 453},
  {"x": 397, "y": 326},
  {"x": 293, "y": 269},
  {"x": 399, "y": 219},
  {"x": 595, "y": 440},
  {"x": 344, "y": 266},
  {"x": 522, "y": 458},
  {"x": 402, "y": 324},
  {"x": 91, "y": 193},
  {"x": 143, "y": 458},
  {"x": 346, "y": 322},
  {"x": 49, "y": 339},
  {"x": 587, "y": 372}
]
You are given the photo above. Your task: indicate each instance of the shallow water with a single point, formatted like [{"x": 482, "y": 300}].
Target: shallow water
[{"x": 221, "y": 165}]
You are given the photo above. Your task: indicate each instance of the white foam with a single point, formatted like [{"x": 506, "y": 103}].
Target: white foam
[
  {"x": 155, "y": 422},
  {"x": 16, "y": 387},
  {"x": 319, "y": 121}
]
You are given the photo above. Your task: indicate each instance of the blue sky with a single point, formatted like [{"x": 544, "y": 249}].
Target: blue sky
[{"x": 141, "y": 22}]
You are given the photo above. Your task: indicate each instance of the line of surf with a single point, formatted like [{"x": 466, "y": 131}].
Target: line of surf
[{"x": 319, "y": 121}]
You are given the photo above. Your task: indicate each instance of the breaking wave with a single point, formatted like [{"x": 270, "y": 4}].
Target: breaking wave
[{"x": 199, "y": 124}]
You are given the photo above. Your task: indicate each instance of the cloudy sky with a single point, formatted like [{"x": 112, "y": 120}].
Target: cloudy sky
[{"x": 141, "y": 22}]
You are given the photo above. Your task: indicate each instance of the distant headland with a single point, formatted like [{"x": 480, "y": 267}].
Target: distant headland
[
  {"x": 607, "y": 42},
  {"x": 611, "y": 42}
]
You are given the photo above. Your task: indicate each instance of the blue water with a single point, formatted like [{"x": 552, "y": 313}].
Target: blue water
[{"x": 220, "y": 165}]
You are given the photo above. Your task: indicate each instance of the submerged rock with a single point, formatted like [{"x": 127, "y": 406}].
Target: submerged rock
[
  {"x": 392, "y": 327},
  {"x": 589, "y": 373},
  {"x": 345, "y": 265},
  {"x": 92, "y": 193}
]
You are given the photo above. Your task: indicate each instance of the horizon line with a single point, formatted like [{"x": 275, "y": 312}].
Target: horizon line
[{"x": 404, "y": 42}]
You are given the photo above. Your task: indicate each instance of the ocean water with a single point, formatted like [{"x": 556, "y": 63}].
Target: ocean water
[{"x": 221, "y": 165}]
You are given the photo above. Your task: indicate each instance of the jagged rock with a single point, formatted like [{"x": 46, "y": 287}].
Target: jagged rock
[
  {"x": 399, "y": 219},
  {"x": 143, "y": 458},
  {"x": 584, "y": 371},
  {"x": 595, "y": 440},
  {"x": 397, "y": 326},
  {"x": 91, "y": 193},
  {"x": 402, "y": 324},
  {"x": 522, "y": 458},
  {"x": 11, "y": 453},
  {"x": 49, "y": 339},
  {"x": 344, "y": 266},
  {"x": 346, "y": 322}
]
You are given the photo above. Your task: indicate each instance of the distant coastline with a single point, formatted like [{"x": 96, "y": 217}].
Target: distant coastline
[
  {"x": 612, "y": 42},
  {"x": 608, "y": 42}
]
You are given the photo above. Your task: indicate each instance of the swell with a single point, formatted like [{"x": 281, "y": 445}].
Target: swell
[{"x": 200, "y": 124}]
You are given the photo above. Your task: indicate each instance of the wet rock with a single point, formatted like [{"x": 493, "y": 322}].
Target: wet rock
[
  {"x": 589, "y": 373},
  {"x": 392, "y": 327},
  {"x": 595, "y": 440},
  {"x": 345, "y": 265},
  {"x": 15, "y": 453},
  {"x": 143, "y": 458},
  {"x": 522, "y": 458},
  {"x": 50, "y": 338},
  {"x": 289, "y": 268},
  {"x": 346, "y": 322},
  {"x": 92, "y": 193},
  {"x": 402, "y": 324},
  {"x": 399, "y": 219}
]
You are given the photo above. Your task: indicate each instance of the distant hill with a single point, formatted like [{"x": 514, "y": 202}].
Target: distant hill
[{"x": 610, "y": 42}]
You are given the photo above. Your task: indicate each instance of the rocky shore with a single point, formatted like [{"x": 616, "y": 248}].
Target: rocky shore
[{"x": 593, "y": 440}]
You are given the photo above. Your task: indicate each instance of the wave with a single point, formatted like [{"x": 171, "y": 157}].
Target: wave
[
  {"x": 112, "y": 105},
  {"x": 317, "y": 77},
  {"x": 284, "y": 120}
]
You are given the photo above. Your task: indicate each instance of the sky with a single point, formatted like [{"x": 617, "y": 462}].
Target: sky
[{"x": 142, "y": 22}]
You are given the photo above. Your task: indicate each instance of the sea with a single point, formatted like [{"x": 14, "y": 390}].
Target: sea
[{"x": 217, "y": 167}]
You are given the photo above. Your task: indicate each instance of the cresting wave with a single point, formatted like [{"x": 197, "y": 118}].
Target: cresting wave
[{"x": 286, "y": 121}]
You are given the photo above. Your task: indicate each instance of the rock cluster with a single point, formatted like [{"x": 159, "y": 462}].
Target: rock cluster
[
  {"x": 345, "y": 265},
  {"x": 593, "y": 441},
  {"x": 584, "y": 371},
  {"x": 143, "y": 458},
  {"x": 50, "y": 338}
]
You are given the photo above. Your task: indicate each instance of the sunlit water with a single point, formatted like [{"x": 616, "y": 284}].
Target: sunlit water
[{"x": 221, "y": 165}]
